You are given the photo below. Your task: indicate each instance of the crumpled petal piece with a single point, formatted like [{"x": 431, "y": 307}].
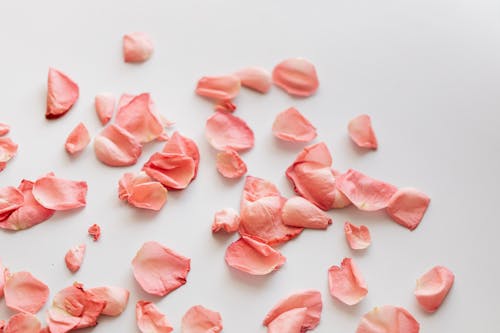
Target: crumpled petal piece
[
  {"x": 150, "y": 319},
  {"x": 358, "y": 237},
  {"x": 253, "y": 257},
  {"x": 142, "y": 191},
  {"x": 225, "y": 131},
  {"x": 94, "y": 231},
  {"x": 230, "y": 165},
  {"x": 225, "y": 106},
  {"x": 23, "y": 323},
  {"x": 74, "y": 257},
  {"x": 4, "y": 129},
  {"x": 346, "y": 283},
  {"x": 388, "y": 319},
  {"x": 296, "y": 76},
  {"x": 226, "y": 219},
  {"x": 255, "y": 78},
  {"x": 62, "y": 93},
  {"x": 221, "y": 88},
  {"x": 137, "y": 47},
  {"x": 8, "y": 150},
  {"x": 115, "y": 146},
  {"x": 365, "y": 192},
  {"x": 361, "y": 132},
  {"x": 174, "y": 171},
  {"x": 179, "y": 144},
  {"x": 159, "y": 270},
  {"x": 104, "y": 107},
  {"x": 115, "y": 298},
  {"x": 60, "y": 194},
  {"x": 25, "y": 293},
  {"x": 291, "y": 125},
  {"x": 199, "y": 319},
  {"x": 289, "y": 321},
  {"x": 77, "y": 140},
  {"x": 299, "y": 212},
  {"x": 309, "y": 299},
  {"x": 11, "y": 199},
  {"x": 433, "y": 287},
  {"x": 407, "y": 207}
]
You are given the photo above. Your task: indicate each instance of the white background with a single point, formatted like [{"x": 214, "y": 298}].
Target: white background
[{"x": 427, "y": 71}]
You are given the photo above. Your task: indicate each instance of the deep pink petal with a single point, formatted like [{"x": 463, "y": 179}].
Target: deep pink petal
[
  {"x": 225, "y": 131},
  {"x": 62, "y": 93},
  {"x": 291, "y": 125},
  {"x": 296, "y": 76}
]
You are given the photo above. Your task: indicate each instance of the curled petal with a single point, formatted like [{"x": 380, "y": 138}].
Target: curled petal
[
  {"x": 78, "y": 139},
  {"x": 62, "y": 93},
  {"x": 407, "y": 207},
  {"x": 104, "y": 107},
  {"x": 25, "y": 293},
  {"x": 388, "y": 318},
  {"x": 94, "y": 231},
  {"x": 199, "y": 319},
  {"x": 74, "y": 257},
  {"x": 23, "y": 323},
  {"x": 174, "y": 171},
  {"x": 137, "y": 47},
  {"x": 299, "y": 212},
  {"x": 296, "y": 76},
  {"x": 346, "y": 283},
  {"x": 8, "y": 150},
  {"x": 220, "y": 88},
  {"x": 258, "y": 188},
  {"x": 339, "y": 199},
  {"x": 253, "y": 257},
  {"x": 115, "y": 298},
  {"x": 361, "y": 132},
  {"x": 227, "y": 220},
  {"x": 225, "y": 106},
  {"x": 317, "y": 153},
  {"x": 150, "y": 319},
  {"x": 225, "y": 131},
  {"x": 433, "y": 287},
  {"x": 115, "y": 146},
  {"x": 358, "y": 238},
  {"x": 142, "y": 191},
  {"x": 289, "y": 321},
  {"x": 230, "y": 164},
  {"x": 291, "y": 125},
  {"x": 255, "y": 78},
  {"x": 4, "y": 129},
  {"x": 60, "y": 194},
  {"x": 179, "y": 144},
  {"x": 159, "y": 270},
  {"x": 11, "y": 199},
  {"x": 128, "y": 181}
]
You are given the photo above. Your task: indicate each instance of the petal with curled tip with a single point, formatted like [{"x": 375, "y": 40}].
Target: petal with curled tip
[
  {"x": 225, "y": 131},
  {"x": 77, "y": 140},
  {"x": 226, "y": 219},
  {"x": 388, "y": 319},
  {"x": 150, "y": 319},
  {"x": 60, "y": 194},
  {"x": 25, "y": 293},
  {"x": 23, "y": 323},
  {"x": 174, "y": 171},
  {"x": 358, "y": 237},
  {"x": 115, "y": 146},
  {"x": 433, "y": 287},
  {"x": 137, "y": 47},
  {"x": 346, "y": 283},
  {"x": 361, "y": 132},
  {"x": 255, "y": 78},
  {"x": 289, "y": 321},
  {"x": 4, "y": 129},
  {"x": 199, "y": 319},
  {"x": 407, "y": 207},
  {"x": 62, "y": 93},
  {"x": 291, "y": 125},
  {"x": 104, "y": 107},
  {"x": 115, "y": 298},
  {"x": 128, "y": 181},
  {"x": 230, "y": 164},
  {"x": 74, "y": 257},
  {"x": 221, "y": 88},
  {"x": 296, "y": 76},
  {"x": 299, "y": 212}
]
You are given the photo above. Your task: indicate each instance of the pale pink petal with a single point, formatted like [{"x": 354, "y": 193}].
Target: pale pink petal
[
  {"x": 166, "y": 122},
  {"x": 291, "y": 125},
  {"x": 4, "y": 129},
  {"x": 137, "y": 47},
  {"x": 227, "y": 220},
  {"x": 289, "y": 321},
  {"x": 225, "y": 131},
  {"x": 124, "y": 100},
  {"x": 94, "y": 231},
  {"x": 358, "y": 238},
  {"x": 199, "y": 319},
  {"x": 230, "y": 165},
  {"x": 115, "y": 298},
  {"x": 225, "y": 106},
  {"x": 62, "y": 93},
  {"x": 74, "y": 257},
  {"x": 253, "y": 257},
  {"x": 361, "y": 132},
  {"x": 150, "y": 319},
  {"x": 255, "y": 78},
  {"x": 128, "y": 181},
  {"x": 77, "y": 140},
  {"x": 433, "y": 287},
  {"x": 309, "y": 299},
  {"x": 299, "y": 212},
  {"x": 388, "y": 319},
  {"x": 159, "y": 270},
  {"x": 23, "y": 323},
  {"x": 365, "y": 192},
  {"x": 104, "y": 107},
  {"x": 407, "y": 207},
  {"x": 115, "y": 146},
  {"x": 11, "y": 199},
  {"x": 8, "y": 150},
  {"x": 317, "y": 153},
  {"x": 60, "y": 194},
  {"x": 151, "y": 196},
  {"x": 24, "y": 293},
  {"x": 296, "y": 76},
  {"x": 179, "y": 144},
  {"x": 174, "y": 171},
  {"x": 346, "y": 283},
  {"x": 339, "y": 199},
  {"x": 220, "y": 88}
]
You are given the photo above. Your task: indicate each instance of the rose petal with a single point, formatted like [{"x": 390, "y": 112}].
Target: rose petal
[
  {"x": 10, "y": 200},
  {"x": 104, "y": 107},
  {"x": 4, "y": 129},
  {"x": 94, "y": 231},
  {"x": 296, "y": 76},
  {"x": 174, "y": 171},
  {"x": 78, "y": 139},
  {"x": 299, "y": 212},
  {"x": 24, "y": 293},
  {"x": 225, "y": 131},
  {"x": 137, "y": 47},
  {"x": 291, "y": 125},
  {"x": 289, "y": 321},
  {"x": 115, "y": 298},
  {"x": 433, "y": 287},
  {"x": 255, "y": 78},
  {"x": 74, "y": 257},
  {"x": 407, "y": 207},
  {"x": 317, "y": 153},
  {"x": 388, "y": 318},
  {"x": 227, "y": 220},
  {"x": 128, "y": 181},
  {"x": 3, "y": 270},
  {"x": 358, "y": 238},
  {"x": 151, "y": 196},
  {"x": 150, "y": 319},
  {"x": 23, "y": 323},
  {"x": 346, "y": 283},
  {"x": 179, "y": 144},
  {"x": 309, "y": 299},
  {"x": 365, "y": 192},
  {"x": 8, "y": 150},
  {"x": 361, "y": 132},
  {"x": 230, "y": 164},
  {"x": 60, "y": 194},
  {"x": 253, "y": 257},
  {"x": 220, "y": 88},
  {"x": 199, "y": 319},
  {"x": 62, "y": 93},
  {"x": 124, "y": 100},
  {"x": 115, "y": 146},
  {"x": 225, "y": 106},
  {"x": 159, "y": 270},
  {"x": 339, "y": 199}
]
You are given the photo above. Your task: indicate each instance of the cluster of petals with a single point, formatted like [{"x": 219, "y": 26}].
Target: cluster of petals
[
  {"x": 291, "y": 125},
  {"x": 104, "y": 107},
  {"x": 388, "y": 319},
  {"x": 296, "y": 76},
  {"x": 142, "y": 191},
  {"x": 226, "y": 219},
  {"x": 150, "y": 319},
  {"x": 62, "y": 93},
  {"x": 433, "y": 287},
  {"x": 77, "y": 140},
  {"x": 407, "y": 207},
  {"x": 300, "y": 212},
  {"x": 8, "y": 150},
  {"x": 346, "y": 282},
  {"x": 225, "y": 131},
  {"x": 255, "y": 78},
  {"x": 74, "y": 257},
  {"x": 358, "y": 237},
  {"x": 199, "y": 319},
  {"x": 18, "y": 286},
  {"x": 137, "y": 47},
  {"x": 361, "y": 132},
  {"x": 230, "y": 164}
]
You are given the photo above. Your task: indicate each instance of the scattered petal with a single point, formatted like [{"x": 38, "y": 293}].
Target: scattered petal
[
  {"x": 150, "y": 319},
  {"x": 115, "y": 146},
  {"x": 339, "y": 199},
  {"x": 227, "y": 220},
  {"x": 388, "y": 319},
  {"x": 358, "y": 238},
  {"x": 62, "y": 93},
  {"x": 23, "y": 323},
  {"x": 407, "y": 207},
  {"x": 225, "y": 131},
  {"x": 104, "y": 107},
  {"x": 124, "y": 100},
  {"x": 142, "y": 191},
  {"x": 174, "y": 171},
  {"x": 128, "y": 181},
  {"x": 225, "y": 106},
  {"x": 8, "y": 150},
  {"x": 78, "y": 139},
  {"x": 199, "y": 319},
  {"x": 289, "y": 321},
  {"x": 179, "y": 144},
  {"x": 433, "y": 287},
  {"x": 11, "y": 199},
  {"x": 291, "y": 125},
  {"x": 296, "y": 76},
  {"x": 60, "y": 194},
  {"x": 346, "y": 283},
  {"x": 299, "y": 212},
  {"x": 230, "y": 164},
  {"x": 255, "y": 78},
  {"x": 137, "y": 47},
  {"x": 24, "y": 293},
  {"x": 221, "y": 88},
  {"x": 4, "y": 129},
  {"x": 361, "y": 132},
  {"x": 115, "y": 298},
  {"x": 74, "y": 257},
  {"x": 94, "y": 231}
]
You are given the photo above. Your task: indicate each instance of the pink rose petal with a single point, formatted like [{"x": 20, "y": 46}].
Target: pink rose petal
[
  {"x": 361, "y": 132},
  {"x": 104, "y": 107},
  {"x": 221, "y": 88},
  {"x": 124, "y": 100},
  {"x": 358, "y": 238},
  {"x": 3, "y": 270},
  {"x": 230, "y": 164},
  {"x": 289, "y": 321},
  {"x": 199, "y": 319},
  {"x": 128, "y": 181},
  {"x": 291, "y": 125},
  {"x": 253, "y": 257},
  {"x": 142, "y": 191},
  {"x": 94, "y": 231},
  {"x": 299, "y": 212},
  {"x": 159, "y": 270},
  {"x": 174, "y": 171},
  {"x": 62, "y": 93},
  {"x": 346, "y": 283},
  {"x": 60, "y": 194},
  {"x": 225, "y": 106},
  {"x": 115, "y": 298},
  {"x": 11, "y": 199},
  {"x": 74, "y": 257},
  {"x": 8, "y": 150},
  {"x": 407, "y": 207},
  {"x": 296, "y": 76},
  {"x": 4, "y": 129},
  {"x": 137, "y": 47},
  {"x": 150, "y": 319},
  {"x": 24, "y": 293},
  {"x": 388, "y": 319},
  {"x": 255, "y": 78},
  {"x": 23, "y": 323},
  {"x": 225, "y": 131},
  {"x": 115, "y": 146},
  {"x": 226, "y": 219},
  {"x": 339, "y": 199},
  {"x": 433, "y": 287},
  {"x": 77, "y": 140},
  {"x": 179, "y": 144}
]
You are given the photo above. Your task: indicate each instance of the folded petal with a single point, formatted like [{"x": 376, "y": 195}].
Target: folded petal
[
  {"x": 115, "y": 298},
  {"x": 299, "y": 212},
  {"x": 388, "y": 319},
  {"x": 346, "y": 283},
  {"x": 142, "y": 191},
  {"x": 74, "y": 257},
  {"x": 4, "y": 129},
  {"x": 115, "y": 146},
  {"x": 226, "y": 219},
  {"x": 296, "y": 76},
  {"x": 222, "y": 88},
  {"x": 104, "y": 107},
  {"x": 199, "y": 319},
  {"x": 62, "y": 93},
  {"x": 78, "y": 139},
  {"x": 291, "y": 125},
  {"x": 225, "y": 131},
  {"x": 225, "y": 106},
  {"x": 25, "y": 293},
  {"x": 361, "y": 132},
  {"x": 150, "y": 319},
  {"x": 358, "y": 237},
  {"x": 94, "y": 231},
  {"x": 128, "y": 181},
  {"x": 407, "y": 207},
  {"x": 317, "y": 153},
  {"x": 60, "y": 194},
  {"x": 179, "y": 144},
  {"x": 339, "y": 199},
  {"x": 433, "y": 287},
  {"x": 11, "y": 199},
  {"x": 174, "y": 171},
  {"x": 289, "y": 321},
  {"x": 230, "y": 164},
  {"x": 255, "y": 78},
  {"x": 23, "y": 323},
  {"x": 137, "y": 47},
  {"x": 8, "y": 150}
]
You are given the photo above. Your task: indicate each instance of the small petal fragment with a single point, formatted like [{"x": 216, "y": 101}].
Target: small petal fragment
[
  {"x": 225, "y": 106},
  {"x": 225, "y": 131},
  {"x": 220, "y": 88},
  {"x": 115, "y": 298},
  {"x": 137, "y": 47},
  {"x": 104, "y": 107},
  {"x": 150, "y": 319},
  {"x": 407, "y": 207},
  {"x": 291, "y": 125},
  {"x": 11, "y": 199},
  {"x": 62, "y": 93},
  {"x": 289, "y": 321},
  {"x": 77, "y": 140},
  {"x": 115, "y": 146},
  {"x": 94, "y": 231},
  {"x": 230, "y": 164},
  {"x": 358, "y": 238},
  {"x": 74, "y": 257},
  {"x": 227, "y": 220},
  {"x": 4, "y": 129},
  {"x": 299, "y": 212},
  {"x": 361, "y": 132},
  {"x": 23, "y": 323},
  {"x": 296, "y": 76},
  {"x": 388, "y": 319},
  {"x": 199, "y": 319},
  {"x": 433, "y": 287},
  {"x": 346, "y": 283},
  {"x": 60, "y": 194},
  {"x": 255, "y": 78},
  {"x": 174, "y": 171},
  {"x": 8, "y": 150},
  {"x": 25, "y": 293},
  {"x": 159, "y": 270}
]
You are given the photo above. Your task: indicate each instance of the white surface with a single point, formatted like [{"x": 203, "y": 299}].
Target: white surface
[{"x": 427, "y": 71}]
